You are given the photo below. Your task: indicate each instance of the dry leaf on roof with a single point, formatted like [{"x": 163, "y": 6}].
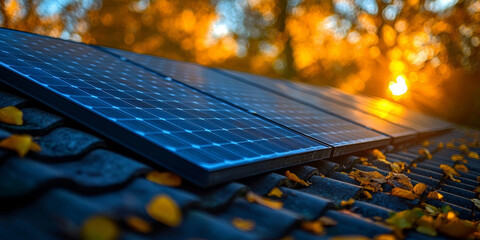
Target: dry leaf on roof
[
  {"x": 252, "y": 197},
  {"x": 454, "y": 227},
  {"x": 399, "y": 180},
  {"x": 138, "y": 224},
  {"x": 385, "y": 237},
  {"x": 378, "y": 154},
  {"x": 463, "y": 148},
  {"x": 293, "y": 177},
  {"x": 461, "y": 167},
  {"x": 99, "y": 228},
  {"x": 449, "y": 172},
  {"x": 243, "y": 224},
  {"x": 450, "y": 145},
  {"x": 435, "y": 195},
  {"x": 275, "y": 192},
  {"x": 476, "y": 202},
  {"x": 371, "y": 180},
  {"x": 164, "y": 178},
  {"x": 165, "y": 210},
  {"x": 425, "y": 143},
  {"x": 400, "y": 192},
  {"x": 440, "y": 145},
  {"x": 473, "y": 155},
  {"x": 20, "y": 143},
  {"x": 314, "y": 227},
  {"x": 419, "y": 188},
  {"x": 458, "y": 158},
  {"x": 348, "y": 203},
  {"x": 367, "y": 194},
  {"x": 431, "y": 210},
  {"x": 398, "y": 167},
  {"x": 425, "y": 153},
  {"x": 11, "y": 115}
]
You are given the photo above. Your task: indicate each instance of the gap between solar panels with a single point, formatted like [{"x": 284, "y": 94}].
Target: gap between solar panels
[{"x": 199, "y": 137}]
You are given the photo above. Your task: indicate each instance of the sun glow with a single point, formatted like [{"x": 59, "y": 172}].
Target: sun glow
[{"x": 399, "y": 86}]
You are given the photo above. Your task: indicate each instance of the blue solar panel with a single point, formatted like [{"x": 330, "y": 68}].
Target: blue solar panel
[
  {"x": 285, "y": 88},
  {"x": 197, "y": 136},
  {"x": 345, "y": 136}
]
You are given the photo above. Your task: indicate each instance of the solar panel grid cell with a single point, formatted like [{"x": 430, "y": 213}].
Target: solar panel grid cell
[
  {"x": 206, "y": 132},
  {"x": 345, "y": 135}
]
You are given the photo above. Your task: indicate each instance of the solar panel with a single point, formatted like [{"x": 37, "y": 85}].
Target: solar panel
[
  {"x": 398, "y": 133},
  {"x": 381, "y": 108},
  {"x": 202, "y": 139},
  {"x": 344, "y": 136}
]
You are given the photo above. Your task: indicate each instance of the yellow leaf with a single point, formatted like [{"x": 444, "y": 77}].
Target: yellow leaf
[
  {"x": 419, "y": 188},
  {"x": 399, "y": 180},
  {"x": 461, "y": 167},
  {"x": 243, "y": 224},
  {"x": 456, "y": 157},
  {"x": 435, "y": 195},
  {"x": 379, "y": 155},
  {"x": 463, "y": 148},
  {"x": 457, "y": 228},
  {"x": 425, "y": 143},
  {"x": 350, "y": 202},
  {"x": 291, "y": 176},
  {"x": 473, "y": 155},
  {"x": 440, "y": 145},
  {"x": 425, "y": 152},
  {"x": 385, "y": 237},
  {"x": 138, "y": 224},
  {"x": 252, "y": 197},
  {"x": 314, "y": 227},
  {"x": 367, "y": 195},
  {"x": 275, "y": 192},
  {"x": 20, "y": 143},
  {"x": 165, "y": 210},
  {"x": 371, "y": 180},
  {"x": 99, "y": 228},
  {"x": 398, "y": 167},
  {"x": 164, "y": 178},
  {"x": 400, "y": 192},
  {"x": 450, "y": 172},
  {"x": 11, "y": 115},
  {"x": 450, "y": 145}
]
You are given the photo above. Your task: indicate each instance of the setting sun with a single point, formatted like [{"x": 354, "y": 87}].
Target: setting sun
[{"x": 399, "y": 86}]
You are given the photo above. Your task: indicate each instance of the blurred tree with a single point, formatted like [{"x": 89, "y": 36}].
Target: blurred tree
[{"x": 356, "y": 45}]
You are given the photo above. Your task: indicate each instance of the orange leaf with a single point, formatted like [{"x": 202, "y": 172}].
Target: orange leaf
[
  {"x": 463, "y": 148},
  {"x": 450, "y": 145},
  {"x": 165, "y": 210},
  {"x": 20, "y": 143},
  {"x": 349, "y": 237},
  {"x": 399, "y": 180},
  {"x": 252, "y": 197},
  {"x": 378, "y": 154},
  {"x": 11, "y": 115},
  {"x": 400, "y": 192},
  {"x": 350, "y": 202},
  {"x": 243, "y": 224},
  {"x": 457, "y": 157},
  {"x": 367, "y": 195},
  {"x": 398, "y": 167},
  {"x": 440, "y": 145},
  {"x": 419, "y": 188},
  {"x": 435, "y": 195},
  {"x": 314, "y": 227},
  {"x": 99, "y": 228},
  {"x": 473, "y": 155},
  {"x": 425, "y": 152},
  {"x": 164, "y": 178},
  {"x": 461, "y": 167},
  {"x": 291, "y": 176},
  {"x": 138, "y": 224},
  {"x": 275, "y": 192},
  {"x": 425, "y": 143}
]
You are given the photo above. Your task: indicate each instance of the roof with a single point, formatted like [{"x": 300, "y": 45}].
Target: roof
[{"x": 52, "y": 193}]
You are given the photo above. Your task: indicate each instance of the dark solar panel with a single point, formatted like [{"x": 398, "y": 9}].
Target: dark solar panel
[
  {"x": 197, "y": 136},
  {"x": 345, "y": 136},
  {"x": 399, "y": 133}
]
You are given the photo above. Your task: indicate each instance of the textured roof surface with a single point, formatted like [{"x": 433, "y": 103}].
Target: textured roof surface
[{"x": 77, "y": 175}]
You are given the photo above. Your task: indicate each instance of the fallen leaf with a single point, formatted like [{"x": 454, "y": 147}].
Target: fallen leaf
[
  {"x": 252, "y": 197},
  {"x": 371, "y": 180},
  {"x": 457, "y": 228},
  {"x": 449, "y": 172},
  {"x": 425, "y": 143},
  {"x": 379, "y": 155},
  {"x": 476, "y": 202},
  {"x": 367, "y": 194},
  {"x": 398, "y": 167},
  {"x": 419, "y": 188},
  {"x": 463, "y": 148},
  {"x": 11, "y": 115},
  {"x": 435, "y": 195},
  {"x": 243, "y": 224},
  {"x": 99, "y": 228},
  {"x": 349, "y": 237},
  {"x": 314, "y": 227},
  {"x": 440, "y": 145},
  {"x": 457, "y": 158},
  {"x": 138, "y": 224},
  {"x": 425, "y": 153},
  {"x": 450, "y": 145},
  {"x": 399, "y": 180},
  {"x": 20, "y": 143},
  {"x": 473, "y": 155},
  {"x": 293, "y": 177},
  {"x": 165, "y": 210},
  {"x": 275, "y": 192},
  {"x": 461, "y": 167},
  {"x": 400, "y": 192},
  {"x": 164, "y": 178},
  {"x": 385, "y": 237},
  {"x": 405, "y": 219},
  {"x": 432, "y": 210},
  {"x": 348, "y": 203}
]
